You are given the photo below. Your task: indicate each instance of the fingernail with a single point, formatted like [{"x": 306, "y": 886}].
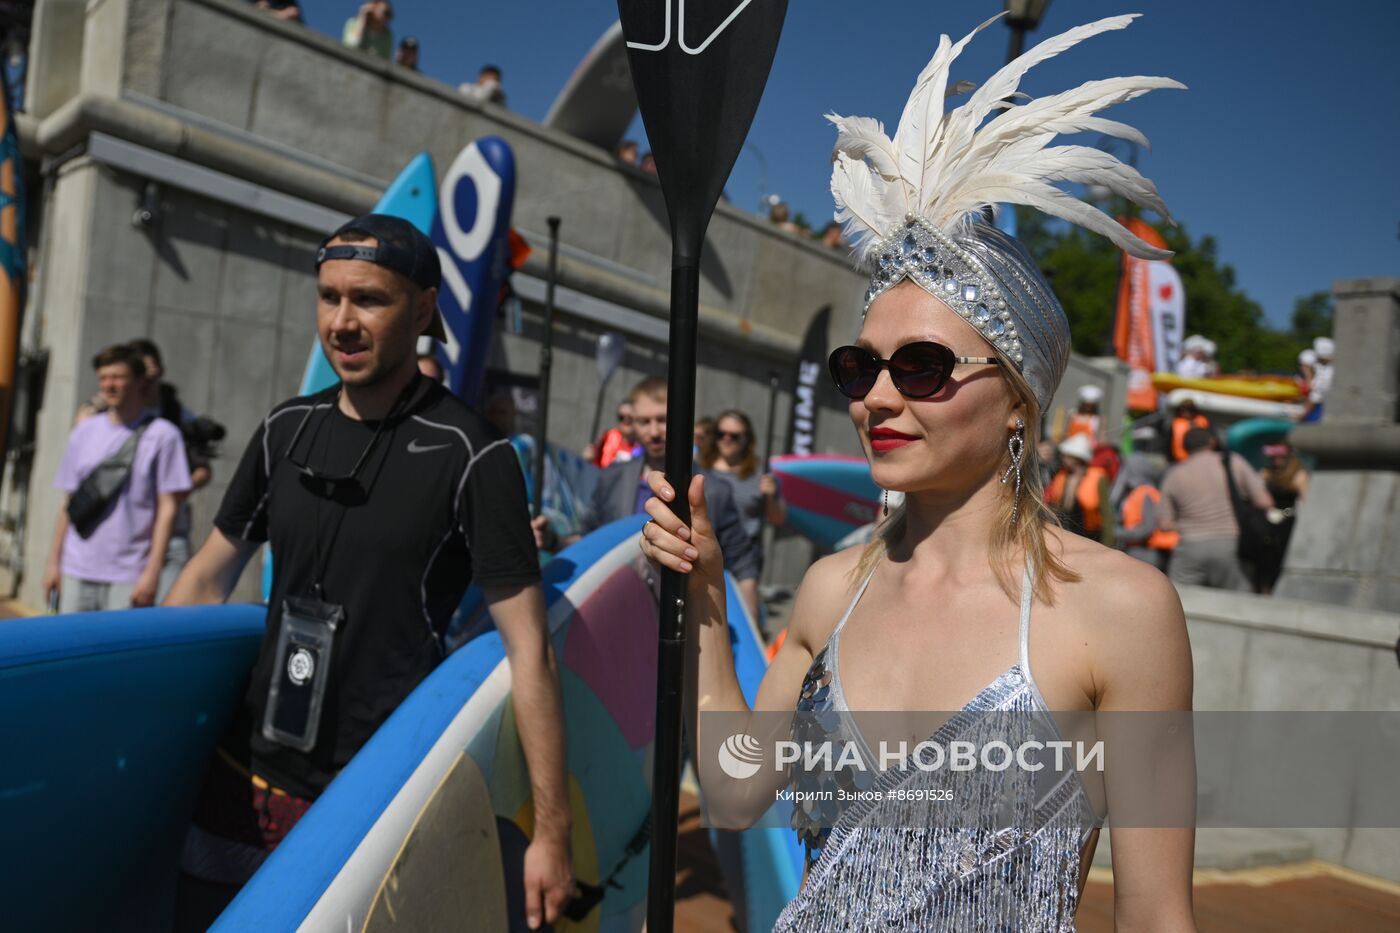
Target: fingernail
[
  {"x": 691, "y": 553},
  {"x": 684, "y": 533},
  {"x": 685, "y": 566},
  {"x": 666, "y": 492}
]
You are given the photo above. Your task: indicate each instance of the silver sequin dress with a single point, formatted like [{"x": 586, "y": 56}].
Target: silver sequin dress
[{"x": 872, "y": 868}]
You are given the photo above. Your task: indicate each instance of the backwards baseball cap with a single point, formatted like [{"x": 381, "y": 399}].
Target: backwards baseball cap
[{"x": 400, "y": 247}]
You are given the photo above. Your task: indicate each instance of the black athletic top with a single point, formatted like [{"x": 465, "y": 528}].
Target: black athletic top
[{"x": 438, "y": 502}]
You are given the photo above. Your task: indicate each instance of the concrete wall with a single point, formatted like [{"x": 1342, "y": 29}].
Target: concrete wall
[{"x": 1267, "y": 653}]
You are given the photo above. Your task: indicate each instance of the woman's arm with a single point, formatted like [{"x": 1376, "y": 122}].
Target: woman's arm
[
  {"x": 1142, "y": 665},
  {"x": 715, "y": 705}
]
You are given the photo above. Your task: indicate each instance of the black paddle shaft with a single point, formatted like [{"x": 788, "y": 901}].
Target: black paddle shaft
[
  {"x": 546, "y": 368},
  {"x": 699, "y": 78},
  {"x": 768, "y": 441}
]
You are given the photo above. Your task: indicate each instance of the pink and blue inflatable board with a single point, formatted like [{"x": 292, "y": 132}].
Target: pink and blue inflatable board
[
  {"x": 827, "y": 496},
  {"x": 375, "y": 851},
  {"x": 110, "y": 720}
]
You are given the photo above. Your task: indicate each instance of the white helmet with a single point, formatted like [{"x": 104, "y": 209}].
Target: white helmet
[
  {"x": 1307, "y": 358},
  {"x": 1077, "y": 446},
  {"x": 1090, "y": 393},
  {"x": 1324, "y": 347}
]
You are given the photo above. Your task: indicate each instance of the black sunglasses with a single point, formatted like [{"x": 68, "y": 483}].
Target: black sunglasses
[{"x": 918, "y": 370}]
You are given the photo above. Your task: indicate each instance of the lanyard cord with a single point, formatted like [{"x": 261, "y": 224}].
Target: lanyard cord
[{"x": 320, "y": 559}]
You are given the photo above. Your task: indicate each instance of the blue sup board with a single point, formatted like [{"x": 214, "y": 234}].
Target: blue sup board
[
  {"x": 426, "y": 827},
  {"x": 110, "y": 719},
  {"x": 569, "y": 481}
]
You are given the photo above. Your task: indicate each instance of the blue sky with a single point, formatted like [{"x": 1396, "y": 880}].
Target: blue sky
[{"x": 1286, "y": 147}]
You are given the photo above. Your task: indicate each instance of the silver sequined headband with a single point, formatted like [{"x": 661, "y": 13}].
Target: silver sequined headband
[{"x": 946, "y": 271}]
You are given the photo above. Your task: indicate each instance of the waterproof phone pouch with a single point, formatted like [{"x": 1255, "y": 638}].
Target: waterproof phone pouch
[{"x": 300, "y": 672}]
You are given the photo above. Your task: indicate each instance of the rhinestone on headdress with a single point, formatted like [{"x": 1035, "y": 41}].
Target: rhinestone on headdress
[{"x": 940, "y": 267}]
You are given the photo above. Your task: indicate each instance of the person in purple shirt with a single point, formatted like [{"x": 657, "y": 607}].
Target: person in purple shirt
[{"x": 118, "y": 563}]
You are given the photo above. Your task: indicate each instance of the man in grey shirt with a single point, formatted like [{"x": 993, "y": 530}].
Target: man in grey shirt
[{"x": 1196, "y": 504}]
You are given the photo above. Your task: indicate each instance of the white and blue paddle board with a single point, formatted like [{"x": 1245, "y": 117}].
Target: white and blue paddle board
[{"x": 427, "y": 826}]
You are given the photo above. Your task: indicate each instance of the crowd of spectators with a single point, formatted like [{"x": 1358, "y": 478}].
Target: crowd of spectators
[
  {"x": 370, "y": 31},
  {"x": 1180, "y": 500}
]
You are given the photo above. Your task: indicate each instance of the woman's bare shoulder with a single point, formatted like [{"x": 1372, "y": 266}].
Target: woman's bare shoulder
[
  {"x": 1114, "y": 589},
  {"x": 825, "y": 591},
  {"x": 1131, "y": 619}
]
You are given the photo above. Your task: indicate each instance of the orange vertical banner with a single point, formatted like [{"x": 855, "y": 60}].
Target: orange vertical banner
[{"x": 1133, "y": 330}]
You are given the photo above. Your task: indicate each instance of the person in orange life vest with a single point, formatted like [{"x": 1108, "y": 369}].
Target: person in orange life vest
[
  {"x": 1087, "y": 420},
  {"x": 1079, "y": 492},
  {"x": 1187, "y": 417},
  {"x": 617, "y": 443},
  {"x": 1136, "y": 497}
]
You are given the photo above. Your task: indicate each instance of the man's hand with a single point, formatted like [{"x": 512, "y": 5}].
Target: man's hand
[
  {"x": 144, "y": 592},
  {"x": 545, "y": 537},
  {"x": 549, "y": 879},
  {"x": 53, "y": 584},
  {"x": 520, "y": 618}
]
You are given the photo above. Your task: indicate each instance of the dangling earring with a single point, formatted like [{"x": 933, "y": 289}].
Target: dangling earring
[
  {"x": 1015, "y": 445},
  {"x": 885, "y": 498}
]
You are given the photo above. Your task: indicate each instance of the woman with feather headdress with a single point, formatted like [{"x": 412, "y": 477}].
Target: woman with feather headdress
[{"x": 960, "y": 351}]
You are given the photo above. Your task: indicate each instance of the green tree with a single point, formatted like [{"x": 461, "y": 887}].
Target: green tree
[{"x": 1312, "y": 317}]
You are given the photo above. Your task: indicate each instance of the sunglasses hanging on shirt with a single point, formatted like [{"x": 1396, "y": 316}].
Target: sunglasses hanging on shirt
[{"x": 330, "y": 482}]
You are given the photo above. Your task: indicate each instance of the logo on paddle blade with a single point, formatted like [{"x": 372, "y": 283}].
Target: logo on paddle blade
[{"x": 680, "y": 17}]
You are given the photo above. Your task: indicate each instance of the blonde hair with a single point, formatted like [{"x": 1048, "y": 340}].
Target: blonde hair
[{"x": 1027, "y": 536}]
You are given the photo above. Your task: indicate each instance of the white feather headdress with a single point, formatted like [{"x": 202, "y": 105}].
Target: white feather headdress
[{"x": 939, "y": 167}]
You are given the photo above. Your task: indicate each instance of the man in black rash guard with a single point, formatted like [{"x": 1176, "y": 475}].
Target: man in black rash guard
[{"x": 382, "y": 498}]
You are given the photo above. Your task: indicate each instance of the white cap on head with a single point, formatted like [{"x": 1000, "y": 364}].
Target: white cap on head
[
  {"x": 1090, "y": 393},
  {"x": 1308, "y": 358},
  {"x": 1192, "y": 343},
  {"x": 1077, "y": 446},
  {"x": 1208, "y": 346},
  {"x": 1324, "y": 347}
]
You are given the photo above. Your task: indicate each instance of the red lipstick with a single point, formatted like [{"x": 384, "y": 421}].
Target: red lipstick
[{"x": 883, "y": 439}]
